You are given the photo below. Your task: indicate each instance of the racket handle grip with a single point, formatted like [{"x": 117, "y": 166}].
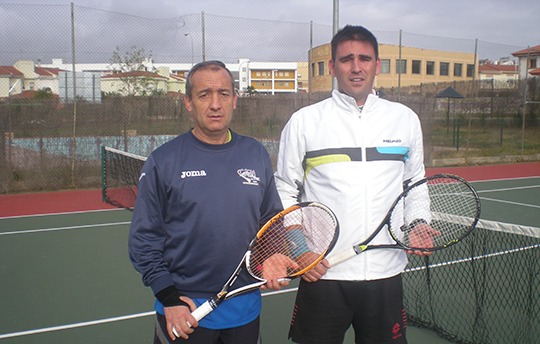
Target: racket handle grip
[
  {"x": 200, "y": 313},
  {"x": 341, "y": 256},
  {"x": 202, "y": 310}
]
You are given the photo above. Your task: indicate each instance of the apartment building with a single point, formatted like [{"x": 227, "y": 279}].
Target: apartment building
[
  {"x": 265, "y": 77},
  {"x": 402, "y": 66}
]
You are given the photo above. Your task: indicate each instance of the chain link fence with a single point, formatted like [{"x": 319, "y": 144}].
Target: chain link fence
[{"x": 47, "y": 144}]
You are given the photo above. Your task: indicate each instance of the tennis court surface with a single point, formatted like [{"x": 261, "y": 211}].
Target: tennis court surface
[{"x": 65, "y": 276}]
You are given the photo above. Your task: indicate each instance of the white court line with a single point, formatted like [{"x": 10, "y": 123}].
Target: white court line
[
  {"x": 502, "y": 179},
  {"x": 104, "y": 321},
  {"x": 40, "y": 230},
  {"x": 61, "y": 213},
  {"x": 76, "y": 325},
  {"x": 510, "y": 202},
  {"x": 511, "y": 189},
  {"x": 465, "y": 260}
]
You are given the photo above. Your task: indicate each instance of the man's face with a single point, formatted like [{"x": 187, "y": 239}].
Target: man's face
[
  {"x": 355, "y": 68},
  {"x": 212, "y": 102}
]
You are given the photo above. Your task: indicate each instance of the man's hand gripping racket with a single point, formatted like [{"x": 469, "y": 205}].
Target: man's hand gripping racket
[
  {"x": 287, "y": 246},
  {"x": 429, "y": 215}
]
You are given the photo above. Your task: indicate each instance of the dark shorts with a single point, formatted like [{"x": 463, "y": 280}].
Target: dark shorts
[
  {"x": 248, "y": 334},
  {"x": 324, "y": 311}
]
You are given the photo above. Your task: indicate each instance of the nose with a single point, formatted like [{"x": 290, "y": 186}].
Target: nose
[
  {"x": 356, "y": 65},
  {"x": 215, "y": 104}
]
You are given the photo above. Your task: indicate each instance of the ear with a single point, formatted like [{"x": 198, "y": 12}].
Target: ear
[
  {"x": 187, "y": 103},
  {"x": 331, "y": 67}
]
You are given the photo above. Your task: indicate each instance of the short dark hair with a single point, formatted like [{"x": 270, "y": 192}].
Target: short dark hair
[
  {"x": 213, "y": 65},
  {"x": 354, "y": 33}
]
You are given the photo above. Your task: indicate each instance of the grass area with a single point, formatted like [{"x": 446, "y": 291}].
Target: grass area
[{"x": 477, "y": 141}]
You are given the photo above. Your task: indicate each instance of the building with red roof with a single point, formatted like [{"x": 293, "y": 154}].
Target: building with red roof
[{"x": 529, "y": 61}]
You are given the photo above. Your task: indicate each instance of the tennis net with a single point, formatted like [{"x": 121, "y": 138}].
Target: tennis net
[
  {"x": 120, "y": 173},
  {"x": 485, "y": 290}
]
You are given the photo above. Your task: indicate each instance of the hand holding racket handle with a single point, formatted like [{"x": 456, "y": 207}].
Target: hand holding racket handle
[
  {"x": 276, "y": 267},
  {"x": 422, "y": 236},
  {"x": 204, "y": 309},
  {"x": 201, "y": 311},
  {"x": 445, "y": 209}
]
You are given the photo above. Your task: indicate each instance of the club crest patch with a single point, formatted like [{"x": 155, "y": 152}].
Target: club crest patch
[{"x": 249, "y": 176}]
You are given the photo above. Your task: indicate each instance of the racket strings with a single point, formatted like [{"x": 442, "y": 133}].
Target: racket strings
[
  {"x": 293, "y": 244},
  {"x": 436, "y": 214}
]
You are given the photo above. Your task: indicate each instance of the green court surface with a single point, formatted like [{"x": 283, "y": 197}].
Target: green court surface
[{"x": 67, "y": 278}]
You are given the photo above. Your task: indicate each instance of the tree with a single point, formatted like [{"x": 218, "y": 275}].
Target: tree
[
  {"x": 44, "y": 93},
  {"x": 250, "y": 90},
  {"x": 132, "y": 68}
]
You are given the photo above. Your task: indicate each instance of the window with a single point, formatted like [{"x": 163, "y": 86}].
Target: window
[
  {"x": 321, "y": 68},
  {"x": 385, "y": 66},
  {"x": 532, "y": 63},
  {"x": 470, "y": 70},
  {"x": 401, "y": 66},
  {"x": 458, "y": 69},
  {"x": 313, "y": 69},
  {"x": 445, "y": 66},
  {"x": 430, "y": 68},
  {"x": 416, "y": 66}
]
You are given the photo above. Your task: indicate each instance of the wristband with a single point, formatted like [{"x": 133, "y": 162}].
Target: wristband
[
  {"x": 407, "y": 228},
  {"x": 416, "y": 222},
  {"x": 170, "y": 297}
]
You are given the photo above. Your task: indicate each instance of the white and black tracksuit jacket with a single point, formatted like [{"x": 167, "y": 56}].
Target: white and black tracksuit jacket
[{"x": 356, "y": 162}]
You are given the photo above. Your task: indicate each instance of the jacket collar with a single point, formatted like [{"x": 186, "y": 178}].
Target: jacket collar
[{"x": 348, "y": 103}]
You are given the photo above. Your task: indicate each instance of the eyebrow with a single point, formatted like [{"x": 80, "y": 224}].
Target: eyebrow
[
  {"x": 209, "y": 90},
  {"x": 362, "y": 56}
]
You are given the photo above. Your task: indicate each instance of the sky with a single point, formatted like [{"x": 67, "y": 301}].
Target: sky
[
  {"x": 511, "y": 22},
  {"x": 515, "y": 23}
]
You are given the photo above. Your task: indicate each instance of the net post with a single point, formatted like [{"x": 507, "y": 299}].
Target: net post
[{"x": 103, "y": 175}]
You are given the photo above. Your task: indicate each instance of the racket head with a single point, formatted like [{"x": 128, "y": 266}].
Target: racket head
[
  {"x": 293, "y": 242},
  {"x": 434, "y": 213}
]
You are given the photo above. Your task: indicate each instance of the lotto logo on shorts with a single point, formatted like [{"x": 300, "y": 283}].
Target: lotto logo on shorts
[{"x": 396, "y": 331}]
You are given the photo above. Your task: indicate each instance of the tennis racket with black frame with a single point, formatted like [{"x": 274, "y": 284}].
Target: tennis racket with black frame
[
  {"x": 429, "y": 215},
  {"x": 290, "y": 244}
]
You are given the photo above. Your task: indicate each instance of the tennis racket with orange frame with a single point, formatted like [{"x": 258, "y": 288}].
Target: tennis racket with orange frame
[{"x": 290, "y": 244}]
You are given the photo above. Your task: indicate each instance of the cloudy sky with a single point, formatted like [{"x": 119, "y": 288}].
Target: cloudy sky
[{"x": 513, "y": 23}]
